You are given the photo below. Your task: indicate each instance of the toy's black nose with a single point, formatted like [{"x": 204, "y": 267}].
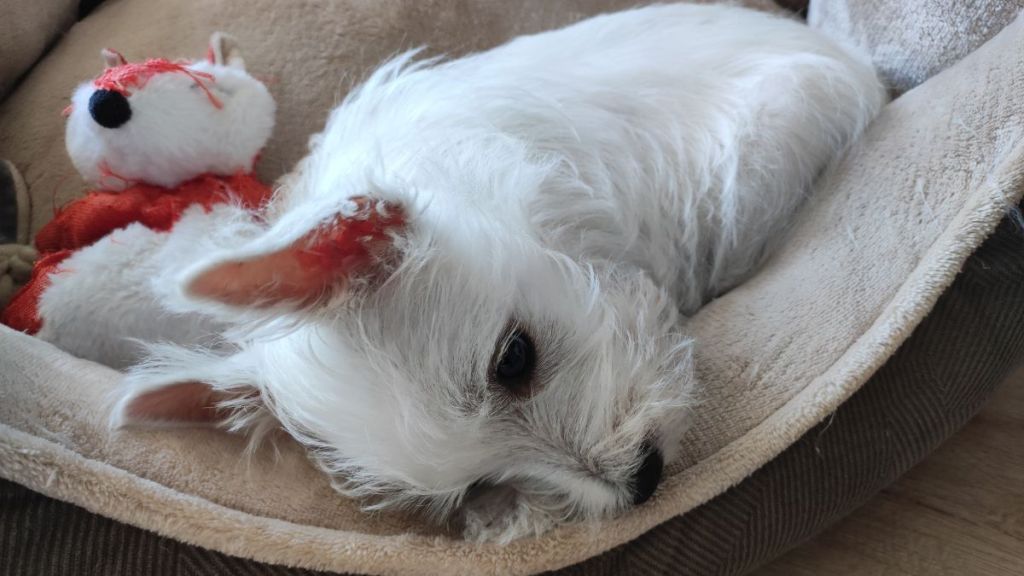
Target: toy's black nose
[
  {"x": 109, "y": 109},
  {"x": 648, "y": 475}
]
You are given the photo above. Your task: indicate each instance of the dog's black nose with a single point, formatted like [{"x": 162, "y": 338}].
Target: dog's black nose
[
  {"x": 648, "y": 475},
  {"x": 109, "y": 109}
]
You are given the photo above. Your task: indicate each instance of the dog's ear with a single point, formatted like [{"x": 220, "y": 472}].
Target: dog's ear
[
  {"x": 192, "y": 403},
  {"x": 176, "y": 386},
  {"x": 353, "y": 246}
]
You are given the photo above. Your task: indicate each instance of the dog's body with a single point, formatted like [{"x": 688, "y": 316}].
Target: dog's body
[{"x": 469, "y": 293}]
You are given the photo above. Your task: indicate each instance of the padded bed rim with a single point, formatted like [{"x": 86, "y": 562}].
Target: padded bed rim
[
  {"x": 30, "y": 460},
  {"x": 916, "y": 400}
]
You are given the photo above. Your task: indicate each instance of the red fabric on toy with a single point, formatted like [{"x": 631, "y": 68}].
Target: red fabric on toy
[
  {"x": 99, "y": 213},
  {"x": 22, "y": 312},
  {"x": 86, "y": 220}
]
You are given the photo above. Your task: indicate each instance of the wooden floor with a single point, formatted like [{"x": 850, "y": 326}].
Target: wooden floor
[{"x": 958, "y": 513}]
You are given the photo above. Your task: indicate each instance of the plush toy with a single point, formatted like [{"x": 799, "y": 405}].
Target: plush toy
[{"x": 156, "y": 138}]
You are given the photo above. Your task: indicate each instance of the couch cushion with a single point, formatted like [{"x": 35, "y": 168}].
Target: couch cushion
[{"x": 27, "y": 28}]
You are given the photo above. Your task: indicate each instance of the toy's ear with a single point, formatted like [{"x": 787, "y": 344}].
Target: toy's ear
[
  {"x": 112, "y": 58},
  {"x": 357, "y": 245},
  {"x": 224, "y": 51}
]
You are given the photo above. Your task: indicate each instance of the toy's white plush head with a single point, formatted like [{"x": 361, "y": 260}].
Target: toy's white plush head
[{"x": 162, "y": 122}]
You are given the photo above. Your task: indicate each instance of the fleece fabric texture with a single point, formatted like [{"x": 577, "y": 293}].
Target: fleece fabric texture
[
  {"x": 912, "y": 41},
  {"x": 885, "y": 234}
]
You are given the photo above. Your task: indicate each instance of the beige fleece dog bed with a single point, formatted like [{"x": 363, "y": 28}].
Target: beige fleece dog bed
[{"x": 886, "y": 233}]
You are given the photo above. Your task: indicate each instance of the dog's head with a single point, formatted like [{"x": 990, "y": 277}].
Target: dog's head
[{"x": 435, "y": 352}]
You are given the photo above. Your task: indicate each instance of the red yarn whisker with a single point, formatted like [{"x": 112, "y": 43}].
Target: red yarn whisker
[{"x": 120, "y": 78}]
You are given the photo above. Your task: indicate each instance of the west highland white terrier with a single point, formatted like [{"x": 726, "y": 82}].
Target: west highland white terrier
[{"x": 469, "y": 297}]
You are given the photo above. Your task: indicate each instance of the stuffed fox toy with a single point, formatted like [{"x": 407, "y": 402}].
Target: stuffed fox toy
[{"x": 156, "y": 138}]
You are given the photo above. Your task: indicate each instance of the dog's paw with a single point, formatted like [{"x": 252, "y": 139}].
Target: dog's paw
[
  {"x": 502, "y": 514},
  {"x": 16, "y": 262}
]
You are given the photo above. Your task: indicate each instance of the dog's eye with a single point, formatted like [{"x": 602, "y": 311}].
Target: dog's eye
[{"x": 515, "y": 361}]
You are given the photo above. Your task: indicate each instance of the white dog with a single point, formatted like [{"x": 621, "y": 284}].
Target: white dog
[{"x": 469, "y": 296}]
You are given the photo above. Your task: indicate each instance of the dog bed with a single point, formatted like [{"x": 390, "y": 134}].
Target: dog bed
[
  {"x": 915, "y": 401},
  {"x": 885, "y": 234}
]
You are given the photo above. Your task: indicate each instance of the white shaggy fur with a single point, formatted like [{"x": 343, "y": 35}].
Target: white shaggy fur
[{"x": 587, "y": 185}]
